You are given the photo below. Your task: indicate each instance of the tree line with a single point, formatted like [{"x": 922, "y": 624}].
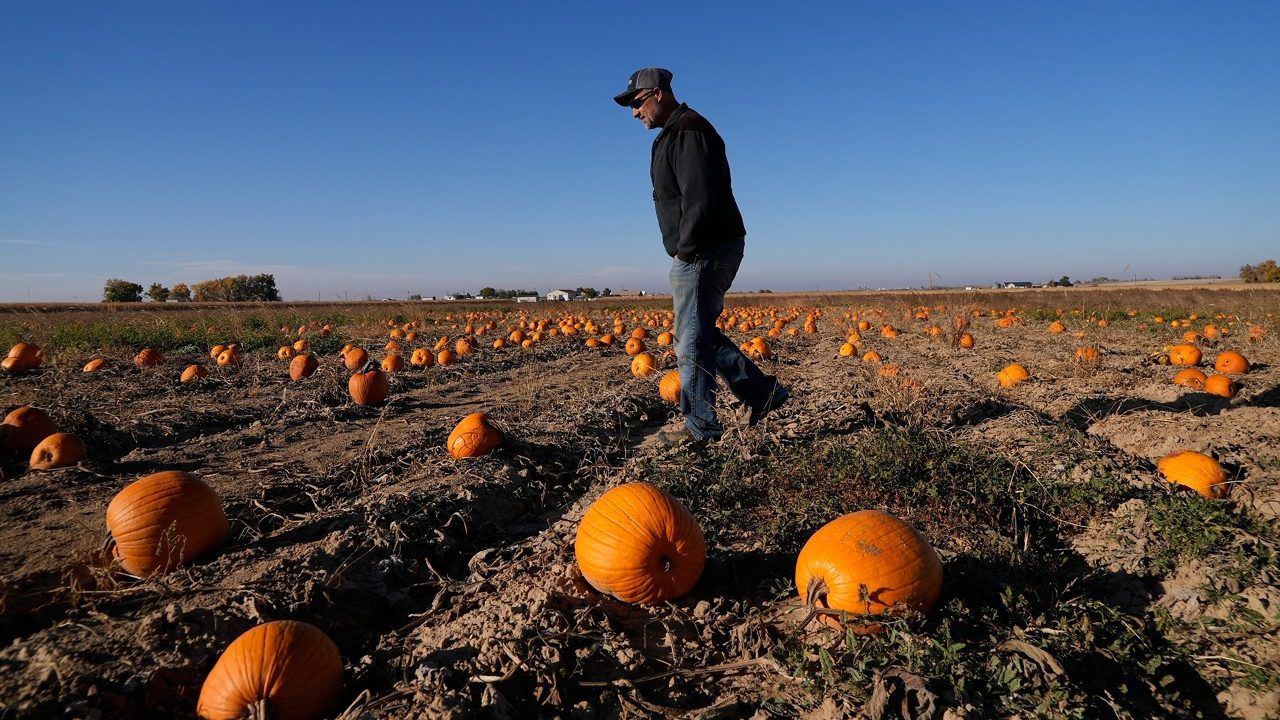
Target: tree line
[
  {"x": 237, "y": 288},
  {"x": 1264, "y": 272}
]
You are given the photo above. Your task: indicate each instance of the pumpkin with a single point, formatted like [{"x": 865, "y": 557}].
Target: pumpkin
[
  {"x": 229, "y": 358},
  {"x": 473, "y": 436},
  {"x": 868, "y": 563},
  {"x": 965, "y": 340},
  {"x": 94, "y": 365},
  {"x": 888, "y": 370},
  {"x": 666, "y": 338},
  {"x": 446, "y": 357},
  {"x": 499, "y": 344},
  {"x": 392, "y": 364},
  {"x": 421, "y": 357},
  {"x": 1190, "y": 377},
  {"x": 1194, "y": 470},
  {"x": 58, "y": 450},
  {"x": 1012, "y": 375},
  {"x": 147, "y": 358},
  {"x": 640, "y": 545},
  {"x": 848, "y": 349},
  {"x": 355, "y": 358},
  {"x": 634, "y": 346},
  {"x": 284, "y": 353},
  {"x": 1231, "y": 362},
  {"x": 1184, "y": 355},
  {"x": 669, "y": 387},
  {"x": 871, "y": 356},
  {"x": 216, "y": 350},
  {"x": 24, "y": 428},
  {"x": 303, "y": 366},
  {"x": 26, "y": 356},
  {"x": 1221, "y": 385},
  {"x": 643, "y": 365},
  {"x": 462, "y": 347},
  {"x": 592, "y": 342},
  {"x": 1056, "y": 327},
  {"x": 368, "y": 386},
  {"x": 1087, "y": 355},
  {"x": 283, "y": 669},
  {"x": 164, "y": 520},
  {"x": 193, "y": 372},
  {"x": 758, "y": 349},
  {"x": 301, "y": 346}
]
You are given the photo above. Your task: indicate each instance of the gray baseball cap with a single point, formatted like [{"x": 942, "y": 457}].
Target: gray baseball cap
[{"x": 644, "y": 79}]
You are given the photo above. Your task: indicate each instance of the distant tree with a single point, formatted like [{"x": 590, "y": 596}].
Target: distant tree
[
  {"x": 117, "y": 290},
  {"x": 588, "y": 292},
  {"x": 487, "y": 292},
  {"x": 240, "y": 288},
  {"x": 180, "y": 293},
  {"x": 606, "y": 292},
  {"x": 1264, "y": 272},
  {"x": 158, "y": 293},
  {"x": 1064, "y": 281},
  {"x": 416, "y": 296}
]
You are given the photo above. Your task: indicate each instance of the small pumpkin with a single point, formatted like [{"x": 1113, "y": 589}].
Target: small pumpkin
[
  {"x": 94, "y": 365},
  {"x": 643, "y": 365},
  {"x": 868, "y": 563},
  {"x": 23, "y": 356},
  {"x": 1221, "y": 385},
  {"x": 1194, "y": 470},
  {"x": 193, "y": 372},
  {"x": 965, "y": 341},
  {"x": 669, "y": 387},
  {"x": 1231, "y": 362},
  {"x": 848, "y": 349},
  {"x": 1056, "y": 327},
  {"x": 462, "y": 347},
  {"x": 229, "y": 358},
  {"x": 666, "y": 338},
  {"x": 1184, "y": 355},
  {"x": 302, "y": 366},
  {"x": 216, "y": 350},
  {"x": 24, "y": 428},
  {"x": 473, "y": 436},
  {"x": 1087, "y": 355},
  {"x": 301, "y": 345},
  {"x": 58, "y": 450},
  {"x": 446, "y": 357},
  {"x": 1191, "y": 378},
  {"x": 392, "y": 364},
  {"x": 284, "y": 353},
  {"x": 165, "y": 520},
  {"x": 634, "y": 346},
  {"x": 282, "y": 669},
  {"x": 147, "y": 358},
  {"x": 871, "y": 356},
  {"x": 368, "y": 386},
  {"x": 640, "y": 545},
  {"x": 421, "y": 357},
  {"x": 1012, "y": 375},
  {"x": 355, "y": 358}
]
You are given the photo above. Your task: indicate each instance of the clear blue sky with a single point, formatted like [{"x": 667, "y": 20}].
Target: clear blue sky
[{"x": 386, "y": 148}]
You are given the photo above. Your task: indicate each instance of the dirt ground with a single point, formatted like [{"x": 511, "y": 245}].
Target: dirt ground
[{"x": 450, "y": 586}]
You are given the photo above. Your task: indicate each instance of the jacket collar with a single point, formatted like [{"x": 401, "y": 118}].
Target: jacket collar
[{"x": 680, "y": 109}]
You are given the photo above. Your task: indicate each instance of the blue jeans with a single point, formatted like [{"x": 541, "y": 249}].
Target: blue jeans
[{"x": 697, "y": 290}]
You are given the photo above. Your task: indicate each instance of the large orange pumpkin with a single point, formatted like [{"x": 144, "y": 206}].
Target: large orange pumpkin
[
  {"x": 868, "y": 563},
  {"x": 1194, "y": 470},
  {"x": 643, "y": 365},
  {"x": 422, "y": 358},
  {"x": 1012, "y": 375},
  {"x": 23, "y": 356},
  {"x": 1231, "y": 362},
  {"x": 355, "y": 358},
  {"x": 24, "y": 428},
  {"x": 58, "y": 450},
  {"x": 1190, "y": 377},
  {"x": 302, "y": 366},
  {"x": 1184, "y": 355},
  {"x": 284, "y": 669},
  {"x": 640, "y": 545},
  {"x": 1220, "y": 385},
  {"x": 368, "y": 386},
  {"x": 164, "y": 520},
  {"x": 634, "y": 346},
  {"x": 473, "y": 436}
]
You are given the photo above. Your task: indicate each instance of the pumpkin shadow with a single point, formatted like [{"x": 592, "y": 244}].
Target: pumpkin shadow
[
  {"x": 1266, "y": 398},
  {"x": 1093, "y": 410}
]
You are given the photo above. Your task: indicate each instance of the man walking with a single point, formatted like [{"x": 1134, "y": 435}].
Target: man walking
[{"x": 703, "y": 231}]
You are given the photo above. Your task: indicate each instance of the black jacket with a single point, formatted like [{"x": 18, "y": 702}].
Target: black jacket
[{"x": 692, "y": 190}]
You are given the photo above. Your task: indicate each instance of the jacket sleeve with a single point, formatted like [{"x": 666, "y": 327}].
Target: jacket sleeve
[{"x": 691, "y": 161}]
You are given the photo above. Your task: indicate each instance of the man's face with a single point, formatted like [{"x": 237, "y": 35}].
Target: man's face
[{"x": 645, "y": 108}]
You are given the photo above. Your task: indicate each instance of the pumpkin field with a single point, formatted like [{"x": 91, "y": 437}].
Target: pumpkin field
[{"x": 1046, "y": 503}]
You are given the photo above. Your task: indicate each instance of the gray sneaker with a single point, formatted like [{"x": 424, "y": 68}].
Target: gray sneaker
[
  {"x": 680, "y": 437},
  {"x": 776, "y": 399}
]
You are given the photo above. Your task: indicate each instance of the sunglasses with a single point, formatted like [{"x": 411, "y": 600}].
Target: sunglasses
[{"x": 641, "y": 99}]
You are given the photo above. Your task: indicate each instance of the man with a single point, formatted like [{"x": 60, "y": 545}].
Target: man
[{"x": 702, "y": 231}]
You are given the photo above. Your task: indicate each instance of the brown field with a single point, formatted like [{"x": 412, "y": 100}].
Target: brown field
[{"x": 1077, "y": 582}]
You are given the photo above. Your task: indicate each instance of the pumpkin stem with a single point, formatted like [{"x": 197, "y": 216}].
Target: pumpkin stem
[
  {"x": 258, "y": 711},
  {"x": 665, "y": 562},
  {"x": 816, "y": 592},
  {"x": 367, "y": 364}
]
